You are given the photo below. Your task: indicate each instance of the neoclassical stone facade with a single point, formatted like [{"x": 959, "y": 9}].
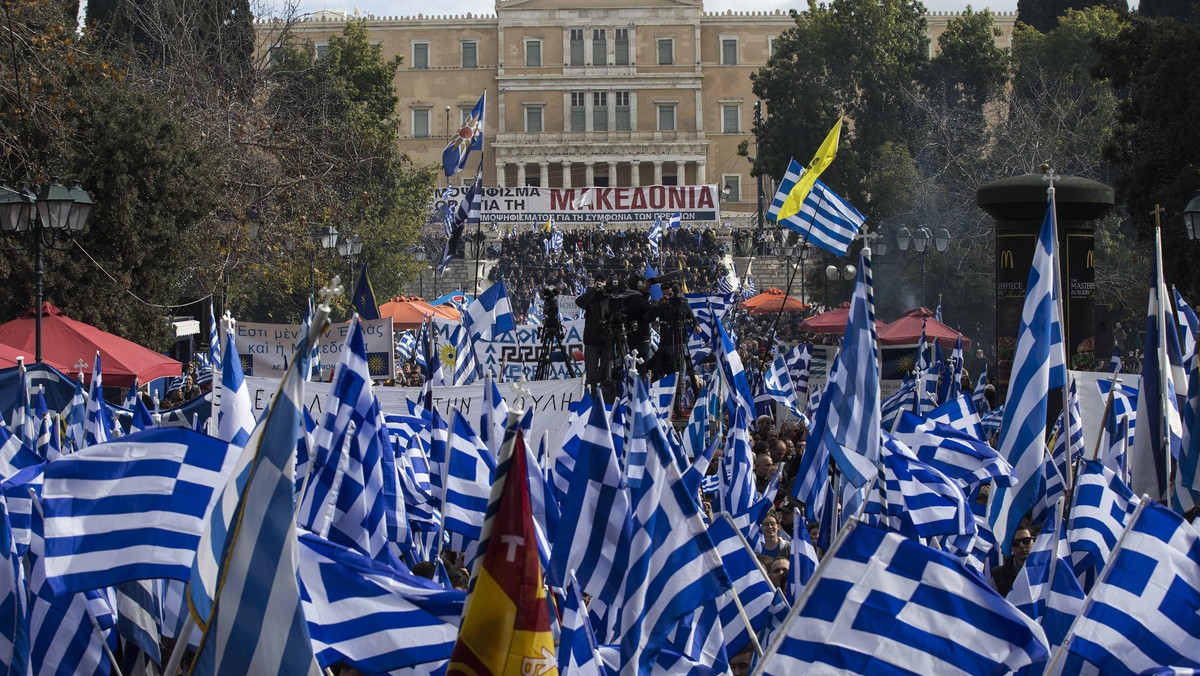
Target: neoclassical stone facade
[{"x": 602, "y": 93}]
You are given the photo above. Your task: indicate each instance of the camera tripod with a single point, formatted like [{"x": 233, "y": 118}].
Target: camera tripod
[{"x": 552, "y": 341}]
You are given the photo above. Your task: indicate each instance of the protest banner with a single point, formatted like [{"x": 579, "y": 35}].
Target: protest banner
[
  {"x": 642, "y": 204},
  {"x": 515, "y": 353},
  {"x": 266, "y": 348}
]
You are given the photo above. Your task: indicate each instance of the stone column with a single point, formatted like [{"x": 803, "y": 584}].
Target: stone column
[
  {"x": 501, "y": 173},
  {"x": 612, "y": 173},
  {"x": 701, "y": 172},
  {"x": 590, "y": 174},
  {"x": 635, "y": 171},
  {"x": 521, "y": 175},
  {"x": 681, "y": 173},
  {"x": 658, "y": 172},
  {"x": 566, "y": 173},
  {"x": 544, "y": 175}
]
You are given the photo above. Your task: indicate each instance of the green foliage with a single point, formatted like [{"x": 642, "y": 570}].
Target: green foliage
[
  {"x": 1044, "y": 15},
  {"x": 969, "y": 71},
  {"x": 859, "y": 58},
  {"x": 1155, "y": 64}
]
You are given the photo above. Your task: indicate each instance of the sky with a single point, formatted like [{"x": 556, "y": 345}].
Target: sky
[{"x": 413, "y": 7}]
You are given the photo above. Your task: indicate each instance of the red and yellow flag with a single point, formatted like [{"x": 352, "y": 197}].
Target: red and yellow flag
[{"x": 506, "y": 626}]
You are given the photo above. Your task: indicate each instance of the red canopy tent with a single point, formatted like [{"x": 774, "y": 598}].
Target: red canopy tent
[
  {"x": 8, "y": 358},
  {"x": 66, "y": 341},
  {"x": 907, "y": 330},
  {"x": 833, "y": 321},
  {"x": 408, "y": 312},
  {"x": 771, "y": 300}
]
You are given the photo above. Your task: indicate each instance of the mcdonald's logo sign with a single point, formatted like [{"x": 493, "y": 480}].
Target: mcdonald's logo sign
[
  {"x": 1091, "y": 259},
  {"x": 1006, "y": 259}
]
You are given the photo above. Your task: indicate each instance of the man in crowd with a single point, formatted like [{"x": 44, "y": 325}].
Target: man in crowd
[
  {"x": 594, "y": 340},
  {"x": 1004, "y": 575}
]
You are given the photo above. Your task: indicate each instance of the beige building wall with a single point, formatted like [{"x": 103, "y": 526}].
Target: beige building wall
[{"x": 678, "y": 75}]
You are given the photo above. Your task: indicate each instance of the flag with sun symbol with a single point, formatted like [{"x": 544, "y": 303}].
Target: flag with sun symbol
[{"x": 468, "y": 138}]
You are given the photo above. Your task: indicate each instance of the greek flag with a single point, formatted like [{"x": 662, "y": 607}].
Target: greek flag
[
  {"x": 724, "y": 286},
  {"x": 595, "y": 528},
  {"x": 851, "y": 430},
  {"x": 351, "y": 497},
  {"x": 1114, "y": 364},
  {"x": 920, "y": 500},
  {"x": 235, "y": 415},
  {"x": 1141, "y": 616},
  {"x": 1046, "y": 589},
  {"x": 676, "y": 219},
  {"x": 937, "y": 314},
  {"x": 1068, "y": 430},
  {"x": 750, "y": 582},
  {"x": 992, "y": 421},
  {"x": 958, "y": 455},
  {"x": 139, "y": 618},
  {"x": 748, "y": 290},
  {"x": 812, "y": 477},
  {"x": 578, "y": 653},
  {"x": 494, "y": 417},
  {"x": 67, "y": 632},
  {"x": 253, "y": 622},
  {"x": 804, "y": 555},
  {"x": 466, "y": 366},
  {"x": 76, "y": 415},
  {"x": 979, "y": 396},
  {"x": 778, "y": 386},
  {"x": 883, "y": 603},
  {"x": 22, "y": 417},
  {"x": 15, "y": 455},
  {"x": 214, "y": 339},
  {"x": 14, "y": 631},
  {"x": 130, "y": 509},
  {"x": 959, "y": 413},
  {"x": 490, "y": 314},
  {"x": 1039, "y": 349},
  {"x": 673, "y": 566},
  {"x": 891, "y": 407},
  {"x": 1103, "y": 504},
  {"x": 655, "y": 236},
  {"x": 372, "y": 617},
  {"x": 468, "y": 213},
  {"x": 825, "y": 219},
  {"x": 468, "y": 481},
  {"x": 799, "y": 360},
  {"x": 1187, "y": 473},
  {"x": 97, "y": 427},
  {"x": 737, "y": 494},
  {"x": 729, "y": 363},
  {"x": 468, "y": 138},
  {"x": 406, "y": 346}
]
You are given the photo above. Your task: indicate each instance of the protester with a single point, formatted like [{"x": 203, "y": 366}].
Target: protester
[
  {"x": 774, "y": 543},
  {"x": 1004, "y": 575}
]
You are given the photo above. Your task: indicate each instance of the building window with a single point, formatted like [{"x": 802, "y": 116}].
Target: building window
[
  {"x": 729, "y": 51},
  {"x": 670, "y": 180},
  {"x": 600, "y": 111},
  {"x": 666, "y": 51},
  {"x": 730, "y": 119},
  {"x": 771, "y": 45},
  {"x": 624, "y": 120},
  {"x": 420, "y": 55},
  {"x": 599, "y": 47},
  {"x": 322, "y": 50},
  {"x": 533, "y": 53},
  {"x": 666, "y": 117},
  {"x": 470, "y": 54},
  {"x": 578, "y": 111},
  {"x": 621, "y": 47},
  {"x": 420, "y": 123},
  {"x": 734, "y": 183},
  {"x": 533, "y": 119},
  {"x": 576, "y": 46}
]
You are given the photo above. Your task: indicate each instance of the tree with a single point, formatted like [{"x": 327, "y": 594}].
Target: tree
[
  {"x": 969, "y": 71},
  {"x": 1155, "y": 64},
  {"x": 857, "y": 58},
  {"x": 1043, "y": 15}
]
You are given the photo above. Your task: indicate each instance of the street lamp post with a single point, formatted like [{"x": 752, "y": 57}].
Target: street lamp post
[
  {"x": 327, "y": 238},
  {"x": 919, "y": 240},
  {"x": 54, "y": 215},
  {"x": 834, "y": 273},
  {"x": 1191, "y": 218},
  {"x": 420, "y": 257},
  {"x": 350, "y": 247}
]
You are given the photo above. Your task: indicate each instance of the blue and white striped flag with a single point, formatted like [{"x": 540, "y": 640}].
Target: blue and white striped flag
[
  {"x": 673, "y": 566},
  {"x": 953, "y": 452},
  {"x": 804, "y": 556},
  {"x": 235, "y": 415},
  {"x": 468, "y": 481},
  {"x": 76, "y": 415},
  {"x": 139, "y": 618},
  {"x": 14, "y": 630},
  {"x": 883, "y": 603},
  {"x": 556, "y": 240},
  {"x": 1046, "y": 589},
  {"x": 494, "y": 416},
  {"x": 748, "y": 288},
  {"x": 724, "y": 286},
  {"x": 578, "y": 653},
  {"x": 67, "y": 632},
  {"x": 22, "y": 423},
  {"x": 595, "y": 528},
  {"x": 751, "y": 583},
  {"x": 372, "y": 617},
  {"x": 676, "y": 219},
  {"x": 1114, "y": 364},
  {"x": 1101, "y": 510},
  {"x": 959, "y": 413},
  {"x": 466, "y": 366},
  {"x": 1142, "y": 614},
  {"x": 1068, "y": 431},
  {"x": 654, "y": 237},
  {"x": 1039, "y": 348},
  {"x": 131, "y": 509},
  {"x": 1159, "y": 431},
  {"x": 826, "y": 219},
  {"x": 921, "y": 501},
  {"x": 729, "y": 363},
  {"x": 243, "y": 591},
  {"x": 407, "y": 345},
  {"x": 1187, "y": 473},
  {"x": 489, "y": 315},
  {"x": 97, "y": 427},
  {"x": 214, "y": 339},
  {"x": 662, "y": 395},
  {"x": 799, "y": 361},
  {"x": 351, "y": 497},
  {"x": 852, "y": 428},
  {"x": 937, "y": 314},
  {"x": 979, "y": 396},
  {"x": 778, "y": 386},
  {"x": 812, "y": 477}
]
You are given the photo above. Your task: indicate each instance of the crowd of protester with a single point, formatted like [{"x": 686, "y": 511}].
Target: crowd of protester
[{"x": 527, "y": 264}]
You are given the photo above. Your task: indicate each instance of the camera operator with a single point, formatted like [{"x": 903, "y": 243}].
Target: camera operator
[
  {"x": 676, "y": 321},
  {"x": 592, "y": 302},
  {"x": 637, "y": 315}
]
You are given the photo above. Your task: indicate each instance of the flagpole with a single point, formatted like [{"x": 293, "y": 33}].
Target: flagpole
[
  {"x": 1087, "y": 602},
  {"x": 1050, "y": 177},
  {"x": 1112, "y": 387}
]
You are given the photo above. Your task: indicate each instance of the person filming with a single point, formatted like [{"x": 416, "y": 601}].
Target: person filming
[{"x": 592, "y": 302}]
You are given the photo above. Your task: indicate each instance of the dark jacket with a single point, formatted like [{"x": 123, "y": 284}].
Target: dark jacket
[
  {"x": 638, "y": 313},
  {"x": 592, "y": 302}
]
